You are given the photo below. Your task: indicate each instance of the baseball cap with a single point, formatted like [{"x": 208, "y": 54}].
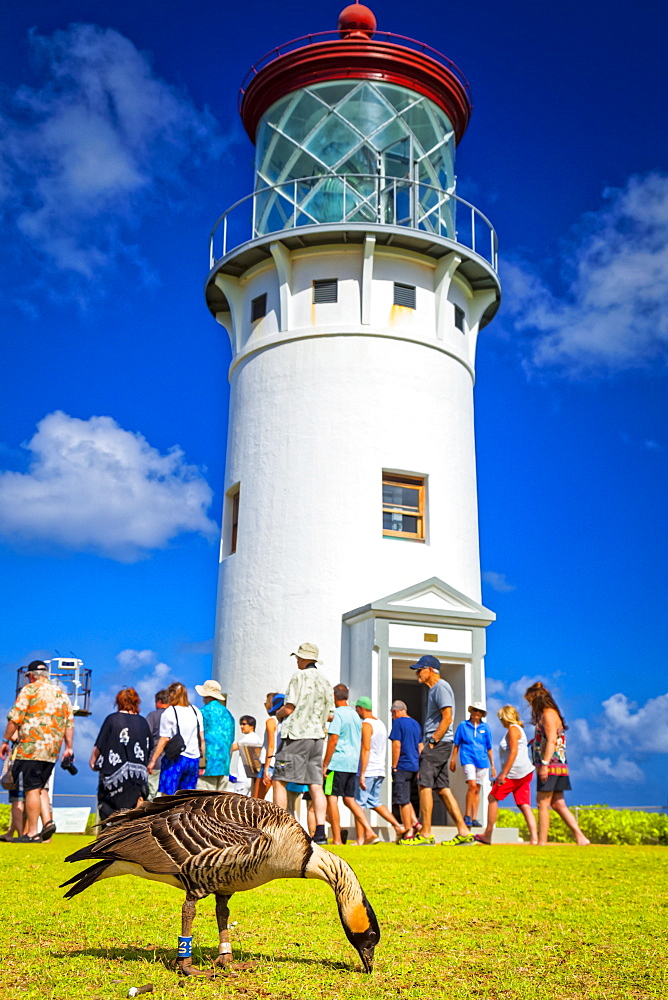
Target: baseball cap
[
  {"x": 426, "y": 662},
  {"x": 364, "y": 702},
  {"x": 477, "y": 706},
  {"x": 35, "y": 666}
]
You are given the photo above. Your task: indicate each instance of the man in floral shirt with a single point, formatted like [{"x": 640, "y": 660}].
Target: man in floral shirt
[{"x": 39, "y": 720}]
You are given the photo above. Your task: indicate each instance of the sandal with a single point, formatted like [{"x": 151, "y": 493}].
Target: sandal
[
  {"x": 48, "y": 830},
  {"x": 25, "y": 839}
]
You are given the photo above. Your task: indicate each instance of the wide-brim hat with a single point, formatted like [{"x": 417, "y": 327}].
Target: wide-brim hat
[
  {"x": 477, "y": 706},
  {"x": 308, "y": 651},
  {"x": 211, "y": 689}
]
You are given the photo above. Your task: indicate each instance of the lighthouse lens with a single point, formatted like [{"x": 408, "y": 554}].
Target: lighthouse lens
[{"x": 357, "y": 151}]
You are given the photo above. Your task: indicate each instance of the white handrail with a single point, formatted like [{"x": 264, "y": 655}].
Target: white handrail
[{"x": 383, "y": 195}]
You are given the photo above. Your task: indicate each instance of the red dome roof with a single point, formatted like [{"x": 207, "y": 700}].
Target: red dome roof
[{"x": 351, "y": 54}]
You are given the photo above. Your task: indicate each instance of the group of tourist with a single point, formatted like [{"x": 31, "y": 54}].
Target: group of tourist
[{"x": 315, "y": 744}]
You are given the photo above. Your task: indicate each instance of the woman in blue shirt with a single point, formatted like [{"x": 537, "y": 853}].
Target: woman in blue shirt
[{"x": 473, "y": 741}]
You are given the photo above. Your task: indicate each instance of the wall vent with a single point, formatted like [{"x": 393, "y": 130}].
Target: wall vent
[
  {"x": 325, "y": 290},
  {"x": 404, "y": 295}
]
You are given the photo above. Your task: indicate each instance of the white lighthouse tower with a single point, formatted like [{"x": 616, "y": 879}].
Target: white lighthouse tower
[{"x": 353, "y": 283}]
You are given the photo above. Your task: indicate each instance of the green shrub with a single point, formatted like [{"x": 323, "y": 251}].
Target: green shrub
[
  {"x": 600, "y": 824},
  {"x": 5, "y": 816}
]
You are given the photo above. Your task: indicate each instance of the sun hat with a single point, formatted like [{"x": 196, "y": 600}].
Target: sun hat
[
  {"x": 211, "y": 689},
  {"x": 477, "y": 706},
  {"x": 308, "y": 651},
  {"x": 426, "y": 662},
  {"x": 364, "y": 702}
]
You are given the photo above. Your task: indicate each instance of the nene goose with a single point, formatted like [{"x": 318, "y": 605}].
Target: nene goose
[{"x": 221, "y": 843}]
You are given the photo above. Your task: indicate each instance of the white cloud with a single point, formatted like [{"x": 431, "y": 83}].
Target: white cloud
[
  {"x": 157, "y": 675},
  {"x": 101, "y": 142},
  {"x": 497, "y": 581},
  {"x": 614, "y": 315},
  {"x": 643, "y": 729},
  {"x": 622, "y": 770},
  {"x": 92, "y": 486},
  {"x": 609, "y": 747}
]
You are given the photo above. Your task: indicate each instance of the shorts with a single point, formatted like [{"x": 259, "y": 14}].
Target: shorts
[
  {"x": 520, "y": 787},
  {"x": 341, "y": 783},
  {"x": 369, "y": 798},
  {"x": 434, "y": 766},
  {"x": 180, "y": 773},
  {"x": 403, "y": 782},
  {"x": 33, "y": 773},
  {"x": 473, "y": 773},
  {"x": 16, "y": 793},
  {"x": 553, "y": 783},
  {"x": 300, "y": 761},
  {"x": 213, "y": 783}
]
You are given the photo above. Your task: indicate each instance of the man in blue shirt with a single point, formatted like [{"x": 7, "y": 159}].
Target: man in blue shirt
[
  {"x": 406, "y": 738},
  {"x": 473, "y": 740},
  {"x": 218, "y": 736}
]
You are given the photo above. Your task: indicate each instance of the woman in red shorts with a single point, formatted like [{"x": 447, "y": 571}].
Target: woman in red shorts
[{"x": 515, "y": 775}]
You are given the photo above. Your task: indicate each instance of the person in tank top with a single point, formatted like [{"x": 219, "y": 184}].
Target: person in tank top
[
  {"x": 372, "y": 769},
  {"x": 515, "y": 775}
]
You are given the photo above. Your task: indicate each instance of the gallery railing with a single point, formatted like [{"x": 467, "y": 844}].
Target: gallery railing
[{"x": 336, "y": 199}]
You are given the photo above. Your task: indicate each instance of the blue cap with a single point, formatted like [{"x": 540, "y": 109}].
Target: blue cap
[
  {"x": 277, "y": 703},
  {"x": 426, "y": 662}
]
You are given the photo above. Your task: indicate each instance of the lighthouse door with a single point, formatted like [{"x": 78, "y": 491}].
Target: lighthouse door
[{"x": 396, "y": 173}]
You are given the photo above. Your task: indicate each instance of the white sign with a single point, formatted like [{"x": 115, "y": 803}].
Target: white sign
[{"x": 72, "y": 820}]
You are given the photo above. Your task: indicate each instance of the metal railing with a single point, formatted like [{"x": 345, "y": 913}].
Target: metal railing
[
  {"x": 341, "y": 199},
  {"x": 335, "y": 36}
]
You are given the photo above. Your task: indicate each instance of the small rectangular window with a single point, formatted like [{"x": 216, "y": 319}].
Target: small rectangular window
[
  {"x": 404, "y": 295},
  {"x": 258, "y": 307},
  {"x": 235, "y": 520},
  {"x": 325, "y": 290},
  {"x": 459, "y": 318},
  {"x": 403, "y": 506}
]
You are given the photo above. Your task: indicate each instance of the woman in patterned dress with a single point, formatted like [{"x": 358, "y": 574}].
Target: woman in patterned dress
[
  {"x": 121, "y": 754},
  {"x": 549, "y": 758}
]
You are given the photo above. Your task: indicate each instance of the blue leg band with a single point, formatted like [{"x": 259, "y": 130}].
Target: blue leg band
[{"x": 185, "y": 947}]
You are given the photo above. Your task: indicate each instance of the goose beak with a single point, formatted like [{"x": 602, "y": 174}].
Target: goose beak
[{"x": 366, "y": 954}]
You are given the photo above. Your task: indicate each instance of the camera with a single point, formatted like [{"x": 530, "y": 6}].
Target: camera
[{"x": 67, "y": 764}]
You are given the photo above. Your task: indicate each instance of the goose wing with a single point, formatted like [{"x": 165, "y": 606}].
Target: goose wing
[{"x": 177, "y": 837}]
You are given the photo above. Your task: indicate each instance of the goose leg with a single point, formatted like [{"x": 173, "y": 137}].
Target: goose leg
[
  {"x": 184, "y": 962},
  {"x": 224, "y": 946}
]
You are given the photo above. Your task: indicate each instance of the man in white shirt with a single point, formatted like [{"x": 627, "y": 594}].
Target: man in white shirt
[{"x": 309, "y": 702}]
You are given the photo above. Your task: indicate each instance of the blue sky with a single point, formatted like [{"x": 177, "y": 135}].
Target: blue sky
[{"x": 121, "y": 145}]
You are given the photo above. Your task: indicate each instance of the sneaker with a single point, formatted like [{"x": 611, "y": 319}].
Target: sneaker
[
  {"x": 476, "y": 824},
  {"x": 320, "y": 840},
  {"x": 459, "y": 841},
  {"x": 467, "y": 820},
  {"x": 417, "y": 841}
]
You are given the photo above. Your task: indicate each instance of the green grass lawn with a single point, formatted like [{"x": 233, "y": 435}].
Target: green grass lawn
[{"x": 469, "y": 923}]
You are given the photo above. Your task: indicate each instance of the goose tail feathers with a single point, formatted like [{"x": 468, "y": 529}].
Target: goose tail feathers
[{"x": 84, "y": 879}]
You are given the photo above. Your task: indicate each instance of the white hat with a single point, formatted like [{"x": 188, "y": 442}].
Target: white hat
[
  {"x": 477, "y": 706},
  {"x": 308, "y": 651},
  {"x": 211, "y": 689}
]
